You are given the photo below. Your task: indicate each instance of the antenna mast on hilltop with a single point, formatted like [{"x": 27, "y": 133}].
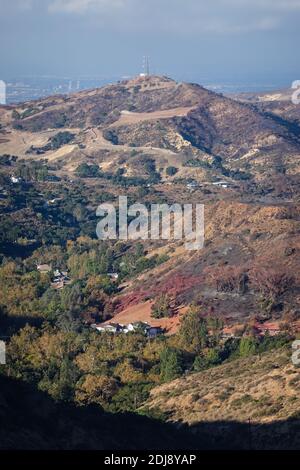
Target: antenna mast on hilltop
[{"x": 146, "y": 66}]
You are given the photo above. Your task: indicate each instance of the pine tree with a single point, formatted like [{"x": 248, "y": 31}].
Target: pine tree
[{"x": 171, "y": 364}]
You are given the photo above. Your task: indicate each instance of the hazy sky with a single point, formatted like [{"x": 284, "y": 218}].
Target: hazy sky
[{"x": 216, "y": 40}]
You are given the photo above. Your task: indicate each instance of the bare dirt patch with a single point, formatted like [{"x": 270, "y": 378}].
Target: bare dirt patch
[
  {"x": 128, "y": 118},
  {"x": 142, "y": 312}
]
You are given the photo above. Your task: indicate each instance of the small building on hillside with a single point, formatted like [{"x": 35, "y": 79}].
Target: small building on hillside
[
  {"x": 136, "y": 326},
  {"x": 15, "y": 179},
  {"x": 233, "y": 331},
  {"x": 272, "y": 329},
  {"x": 143, "y": 328},
  {"x": 258, "y": 329},
  {"x": 192, "y": 185},
  {"x": 113, "y": 276},
  {"x": 154, "y": 331},
  {"x": 222, "y": 184},
  {"x": 61, "y": 279},
  {"x": 44, "y": 268},
  {"x": 108, "y": 328},
  {"x": 228, "y": 332}
]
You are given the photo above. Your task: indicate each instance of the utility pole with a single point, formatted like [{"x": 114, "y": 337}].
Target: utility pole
[{"x": 250, "y": 434}]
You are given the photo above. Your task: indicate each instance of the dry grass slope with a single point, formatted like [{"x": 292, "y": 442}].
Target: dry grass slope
[{"x": 263, "y": 389}]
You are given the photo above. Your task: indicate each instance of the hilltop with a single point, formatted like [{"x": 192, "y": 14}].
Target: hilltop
[{"x": 204, "y": 134}]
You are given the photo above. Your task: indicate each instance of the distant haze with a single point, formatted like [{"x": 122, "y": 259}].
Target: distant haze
[{"x": 233, "y": 41}]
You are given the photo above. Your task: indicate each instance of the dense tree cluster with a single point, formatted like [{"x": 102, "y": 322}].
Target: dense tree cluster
[{"x": 116, "y": 371}]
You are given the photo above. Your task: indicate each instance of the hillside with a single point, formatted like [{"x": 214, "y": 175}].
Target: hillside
[
  {"x": 30, "y": 420},
  {"x": 277, "y": 104},
  {"x": 202, "y": 133},
  {"x": 66, "y": 298},
  {"x": 240, "y": 238},
  {"x": 129, "y": 134},
  {"x": 33, "y": 421},
  {"x": 257, "y": 390}
]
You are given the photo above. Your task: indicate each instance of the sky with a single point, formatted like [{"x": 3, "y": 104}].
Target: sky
[{"x": 196, "y": 40}]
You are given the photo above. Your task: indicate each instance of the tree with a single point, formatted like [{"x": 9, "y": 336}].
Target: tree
[
  {"x": 170, "y": 364},
  {"x": 69, "y": 322},
  {"x": 20, "y": 350},
  {"x": 127, "y": 373},
  {"x": 162, "y": 307},
  {"x": 96, "y": 389},
  {"x": 60, "y": 139},
  {"x": 130, "y": 397},
  {"x": 50, "y": 303},
  {"x": 248, "y": 346},
  {"x": 87, "y": 171},
  {"x": 215, "y": 327},
  {"x": 171, "y": 170},
  {"x": 213, "y": 357},
  {"x": 210, "y": 359},
  {"x": 71, "y": 297},
  {"x": 150, "y": 168},
  {"x": 64, "y": 387},
  {"x": 199, "y": 363},
  {"x": 9, "y": 230},
  {"x": 193, "y": 332},
  {"x": 80, "y": 212}
]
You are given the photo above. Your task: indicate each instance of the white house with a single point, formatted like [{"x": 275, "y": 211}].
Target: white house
[
  {"x": 114, "y": 276},
  {"x": 137, "y": 326},
  {"x": 15, "y": 179},
  {"x": 109, "y": 328},
  {"x": 192, "y": 185},
  {"x": 145, "y": 328},
  {"x": 222, "y": 184}
]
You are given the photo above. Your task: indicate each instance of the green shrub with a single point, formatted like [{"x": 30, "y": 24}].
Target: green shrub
[
  {"x": 88, "y": 171},
  {"x": 171, "y": 170}
]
